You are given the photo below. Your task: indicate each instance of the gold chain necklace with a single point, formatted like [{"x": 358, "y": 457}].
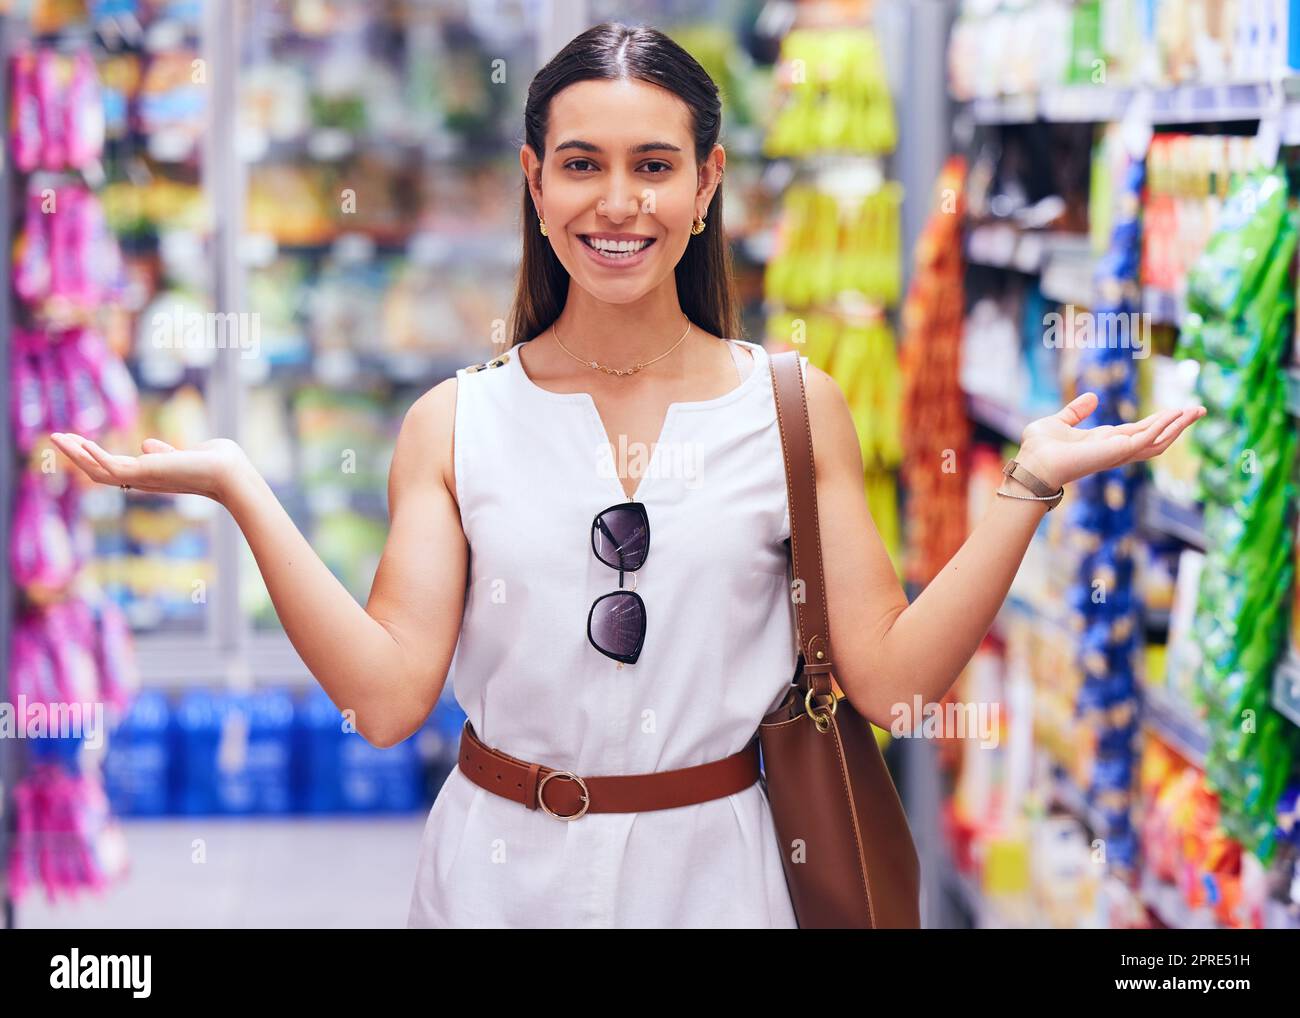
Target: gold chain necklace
[{"x": 620, "y": 371}]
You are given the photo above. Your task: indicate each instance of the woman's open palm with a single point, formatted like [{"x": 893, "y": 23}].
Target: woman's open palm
[
  {"x": 202, "y": 470},
  {"x": 1064, "y": 452}
]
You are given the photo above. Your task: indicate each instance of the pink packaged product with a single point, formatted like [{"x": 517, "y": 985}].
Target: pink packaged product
[
  {"x": 67, "y": 381},
  {"x": 23, "y": 856},
  {"x": 33, "y": 673},
  {"x": 121, "y": 400},
  {"x": 65, "y": 838},
  {"x": 79, "y": 531},
  {"x": 53, "y": 384},
  {"x": 84, "y": 113},
  {"x": 99, "y": 258},
  {"x": 28, "y": 411},
  {"x": 57, "y": 113},
  {"x": 33, "y": 265},
  {"x": 40, "y": 548},
  {"x": 72, "y": 637},
  {"x": 25, "y": 113},
  {"x": 67, "y": 250},
  {"x": 119, "y": 676},
  {"x": 86, "y": 405},
  {"x": 54, "y": 151}
]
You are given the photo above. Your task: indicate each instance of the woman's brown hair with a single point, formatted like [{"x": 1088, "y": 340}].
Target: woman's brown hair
[{"x": 610, "y": 52}]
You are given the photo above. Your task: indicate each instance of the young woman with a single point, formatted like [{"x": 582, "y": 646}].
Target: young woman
[{"x": 577, "y": 648}]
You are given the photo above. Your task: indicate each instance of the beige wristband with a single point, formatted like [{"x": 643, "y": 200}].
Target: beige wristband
[{"x": 1042, "y": 491}]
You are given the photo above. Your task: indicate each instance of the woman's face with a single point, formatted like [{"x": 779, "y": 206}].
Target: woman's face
[{"x": 619, "y": 188}]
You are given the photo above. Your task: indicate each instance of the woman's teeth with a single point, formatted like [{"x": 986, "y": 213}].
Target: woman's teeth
[{"x": 617, "y": 248}]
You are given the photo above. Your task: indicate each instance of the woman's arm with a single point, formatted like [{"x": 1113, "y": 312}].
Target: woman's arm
[
  {"x": 386, "y": 662},
  {"x": 885, "y": 650}
]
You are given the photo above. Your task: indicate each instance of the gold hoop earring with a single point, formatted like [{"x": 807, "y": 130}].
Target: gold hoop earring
[
  {"x": 698, "y": 226},
  {"x": 541, "y": 225}
]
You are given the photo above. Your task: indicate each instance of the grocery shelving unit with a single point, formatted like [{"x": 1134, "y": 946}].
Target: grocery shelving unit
[
  {"x": 1064, "y": 265},
  {"x": 230, "y": 651}
]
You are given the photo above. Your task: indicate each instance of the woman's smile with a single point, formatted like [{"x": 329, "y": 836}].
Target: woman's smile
[{"x": 616, "y": 250}]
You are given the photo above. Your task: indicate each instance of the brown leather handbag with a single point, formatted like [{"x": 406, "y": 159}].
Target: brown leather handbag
[{"x": 845, "y": 844}]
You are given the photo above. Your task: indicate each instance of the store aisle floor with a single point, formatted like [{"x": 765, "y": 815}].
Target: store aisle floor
[{"x": 301, "y": 873}]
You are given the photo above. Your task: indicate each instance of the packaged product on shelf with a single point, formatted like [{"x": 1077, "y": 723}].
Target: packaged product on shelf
[
  {"x": 1186, "y": 847},
  {"x": 1183, "y": 660},
  {"x": 1024, "y": 47},
  {"x": 859, "y": 353},
  {"x": 1295, "y": 596},
  {"x": 137, "y": 767},
  {"x": 1173, "y": 384},
  {"x": 289, "y": 204},
  {"x": 936, "y": 430},
  {"x": 40, "y": 549},
  {"x": 1240, "y": 314},
  {"x": 1285, "y": 875},
  {"x": 65, "y": 838},
  {"x": 1188, "y": 178},
  {"x": 832, "y": 245},
  {"x": 1107, "y": 615},
  {"x": 172, "y": 103},
  {"x": 280, "y": 292},
  {"x": 834, "y": 95},
  {"x": 56, "y": 117}
]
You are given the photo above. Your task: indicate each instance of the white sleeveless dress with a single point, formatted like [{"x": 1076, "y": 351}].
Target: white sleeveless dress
[{"x": 719, "y": 651}]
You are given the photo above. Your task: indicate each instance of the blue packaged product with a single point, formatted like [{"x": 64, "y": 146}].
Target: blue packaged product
[{"x": 138, "y": 762}]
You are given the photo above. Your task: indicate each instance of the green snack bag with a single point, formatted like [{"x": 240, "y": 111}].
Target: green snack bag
[{"x": 1227, "y": 273}]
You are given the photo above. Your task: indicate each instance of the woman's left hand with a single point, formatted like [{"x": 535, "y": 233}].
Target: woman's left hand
[{"x": 1058, "y": 452}]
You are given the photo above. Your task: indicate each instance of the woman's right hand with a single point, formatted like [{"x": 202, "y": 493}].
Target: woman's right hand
[{"x": 210, "y": 468}]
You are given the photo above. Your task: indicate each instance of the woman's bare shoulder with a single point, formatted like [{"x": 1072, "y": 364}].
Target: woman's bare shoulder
[{"x": 427, "y": 436}]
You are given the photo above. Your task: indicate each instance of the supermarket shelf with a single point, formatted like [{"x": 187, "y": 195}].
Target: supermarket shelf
[
  {"x": 1178, "y": 104},
  {"x": 1167, "y": 903},
  {"x": 1063, "y": 261},
  {"x": 1083, "y": 103},
  {"x": 1164, "y": 516},
  {"x": 1070, "y": 798},
  {"x": 1003, "y": 245},
  {"x": 1176, "y": 724},
  {"x": 1067, "y": 279},
  {"x": 965, "y": 890},
  {"x": 984, "y": 912},
  {"x": 1011, "y": 109},
  {"x": 175, "y": 662},
  {"x": 345, "y": 367},
  {"x": 995, "y": 415},
  {"x": 320, "y": 499},
  {"x": 424, "y": 247},
  {"x": 1286, "y": 689}
]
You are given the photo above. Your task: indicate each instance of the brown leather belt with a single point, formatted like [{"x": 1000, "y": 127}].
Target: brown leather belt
[{"x": 569, "y": 796}]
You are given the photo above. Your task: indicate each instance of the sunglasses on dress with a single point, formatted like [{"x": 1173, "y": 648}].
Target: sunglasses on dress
[{"x": 620, "y": 537}]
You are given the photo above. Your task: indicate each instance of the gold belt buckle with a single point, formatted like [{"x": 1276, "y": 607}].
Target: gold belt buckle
[{"x": 586, "y": 795}]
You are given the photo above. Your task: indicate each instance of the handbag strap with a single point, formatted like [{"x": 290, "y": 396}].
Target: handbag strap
[{"x": 808, "y": 586}]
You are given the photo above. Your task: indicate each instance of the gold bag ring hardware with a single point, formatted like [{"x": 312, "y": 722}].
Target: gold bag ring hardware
[{"x": 820, "y": 717}]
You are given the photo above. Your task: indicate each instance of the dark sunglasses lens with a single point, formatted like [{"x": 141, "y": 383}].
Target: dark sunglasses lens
[
  {"x": 617, "y": 625},
  {"x": 621, "y": 538}
]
